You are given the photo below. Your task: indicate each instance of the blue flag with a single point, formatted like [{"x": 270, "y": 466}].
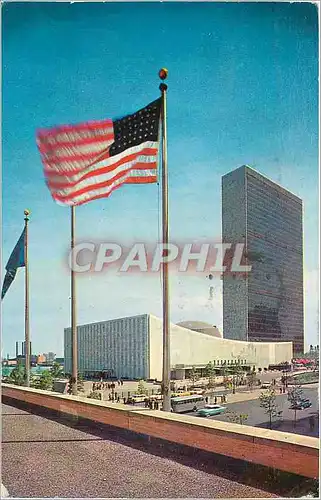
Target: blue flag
[{"x": 17, "y": 259}]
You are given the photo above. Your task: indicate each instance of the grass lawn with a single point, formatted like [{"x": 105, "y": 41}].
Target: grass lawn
[{"x": 305, "y": 378}]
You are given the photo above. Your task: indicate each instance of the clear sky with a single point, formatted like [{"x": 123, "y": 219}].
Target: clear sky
[{"x": 243, "y": 89}]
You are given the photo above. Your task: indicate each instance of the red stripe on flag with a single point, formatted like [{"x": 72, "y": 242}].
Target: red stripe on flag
[
  {"x": 91, "y": 125},
  {"x": 105, "y": 184},
  {"x": 131, "y": 180},
  {"x": 96, "y": 171},
  {"x": 72, "y": 143},
  {"x": 88, "y": 157}
]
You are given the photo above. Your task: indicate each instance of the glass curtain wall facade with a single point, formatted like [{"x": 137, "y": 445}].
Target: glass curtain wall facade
[
  {"x": 119, "y": 347},
  {"x": 267, "y": 305}
]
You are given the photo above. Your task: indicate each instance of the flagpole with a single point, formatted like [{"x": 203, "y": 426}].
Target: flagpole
[
  {"x": 74, "y": 349},
  {"x": 166, "y": 323},
  {"x": 27, "y": 331}
]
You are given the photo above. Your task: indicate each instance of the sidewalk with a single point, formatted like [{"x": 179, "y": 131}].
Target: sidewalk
[{"x": 239, "y": 397}]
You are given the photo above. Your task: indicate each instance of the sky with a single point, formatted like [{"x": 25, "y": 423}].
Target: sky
[{"x": 242, "y": 89}]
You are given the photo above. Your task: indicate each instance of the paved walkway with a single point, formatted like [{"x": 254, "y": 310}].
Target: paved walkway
[
  {"x": 247, "y": 395},
  {"x": 45, "y": 458}
]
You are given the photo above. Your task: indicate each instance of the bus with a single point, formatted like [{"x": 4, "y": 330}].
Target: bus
[{"x": 183, "y": 404}]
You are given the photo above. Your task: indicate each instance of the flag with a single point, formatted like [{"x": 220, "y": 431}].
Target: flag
[
  {"x": 88, "y": 161},
  {"x": 17, "y": 259}
]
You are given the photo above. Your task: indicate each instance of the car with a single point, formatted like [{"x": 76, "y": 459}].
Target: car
[
  {"x": 301, "y": 405},
  {"x": 265, "y": 385},
  {"x": 210, "y": 410},
  {"x": 137, "y": 398},
  {"x": 306, "y": 403}
]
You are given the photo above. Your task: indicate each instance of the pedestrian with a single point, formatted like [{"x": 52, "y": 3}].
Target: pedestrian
[
  {"x": 280, "y": 390},
  {"x": 122, "y": 383},
  {"x": 124, "y": 401},
  {"x": 206, "y": 399},
  {"x": 311, "y": 422},
  {"x": 118, "y": 399},
  {"x": 156, "y": 405},
  {"x": 283, "y": 390}
]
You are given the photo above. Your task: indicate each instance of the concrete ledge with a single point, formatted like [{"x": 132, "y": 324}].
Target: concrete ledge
[{"x": 284, "y": 451}]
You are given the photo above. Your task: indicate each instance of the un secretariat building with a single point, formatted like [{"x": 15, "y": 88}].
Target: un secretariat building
[
  {"x": 131, "y": 348},
  {"x": 266, "y": 305}
]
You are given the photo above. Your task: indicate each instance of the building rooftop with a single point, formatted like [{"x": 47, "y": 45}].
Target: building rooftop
[
  {"x": 201, "y": 327},
  {"x": 263, "y": 178}
]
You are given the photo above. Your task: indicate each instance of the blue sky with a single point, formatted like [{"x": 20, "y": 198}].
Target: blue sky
[{"x": 243, "y": 89}]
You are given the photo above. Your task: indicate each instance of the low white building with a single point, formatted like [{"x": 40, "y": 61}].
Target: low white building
[{"x": 132, "y": 348}]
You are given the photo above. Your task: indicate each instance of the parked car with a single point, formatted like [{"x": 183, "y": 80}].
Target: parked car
[
  {"x": 137, "y": 398},
  {"x": 265, "y": 385},
  {"x": 210, "y": 410},
  {"x": 301, "y": 405},
  {"x": 306, "y": 403}
]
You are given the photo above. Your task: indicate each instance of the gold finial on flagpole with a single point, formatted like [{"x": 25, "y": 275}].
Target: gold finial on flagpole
[
  {"x": 26, "y": 212},
  {"x": 163, "y": 73}
]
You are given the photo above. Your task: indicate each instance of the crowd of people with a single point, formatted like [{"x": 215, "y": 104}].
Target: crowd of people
[
  {"x": 102, "y": 386},
  {"x": 153, "y": 405}
]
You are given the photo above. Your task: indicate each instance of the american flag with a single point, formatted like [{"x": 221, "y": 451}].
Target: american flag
[{"x": 88, "y": 161}]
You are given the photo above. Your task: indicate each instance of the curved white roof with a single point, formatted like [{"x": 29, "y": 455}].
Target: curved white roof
[{"x": 202, "y": 327}]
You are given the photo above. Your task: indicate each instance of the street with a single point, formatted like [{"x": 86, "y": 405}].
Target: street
[
  {"x": 43, "y": 457},
  {"x": 257, "y": 417}
]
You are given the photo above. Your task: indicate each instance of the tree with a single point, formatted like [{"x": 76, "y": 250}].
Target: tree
[
  {"x": 210, "y": 373},
  {"x": 268, "y": 402},
  {"x": 56, "y": 370},
  {"x": 80, "y": 384},
  {"x": 227, "y": 383},
  {"x": 18, "y": 375},
  {"x": 194, "y": 375},
  {"x": 237, "y": 418},
  {"x": 251, "y": 380},
  {"x": 141, "y": 389},
  {"x": 237, "y": 376},
  {"x": 295, "y": 396},
  {"x": 95, "y": 395},
  {"x": 44, "y": 382}
]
